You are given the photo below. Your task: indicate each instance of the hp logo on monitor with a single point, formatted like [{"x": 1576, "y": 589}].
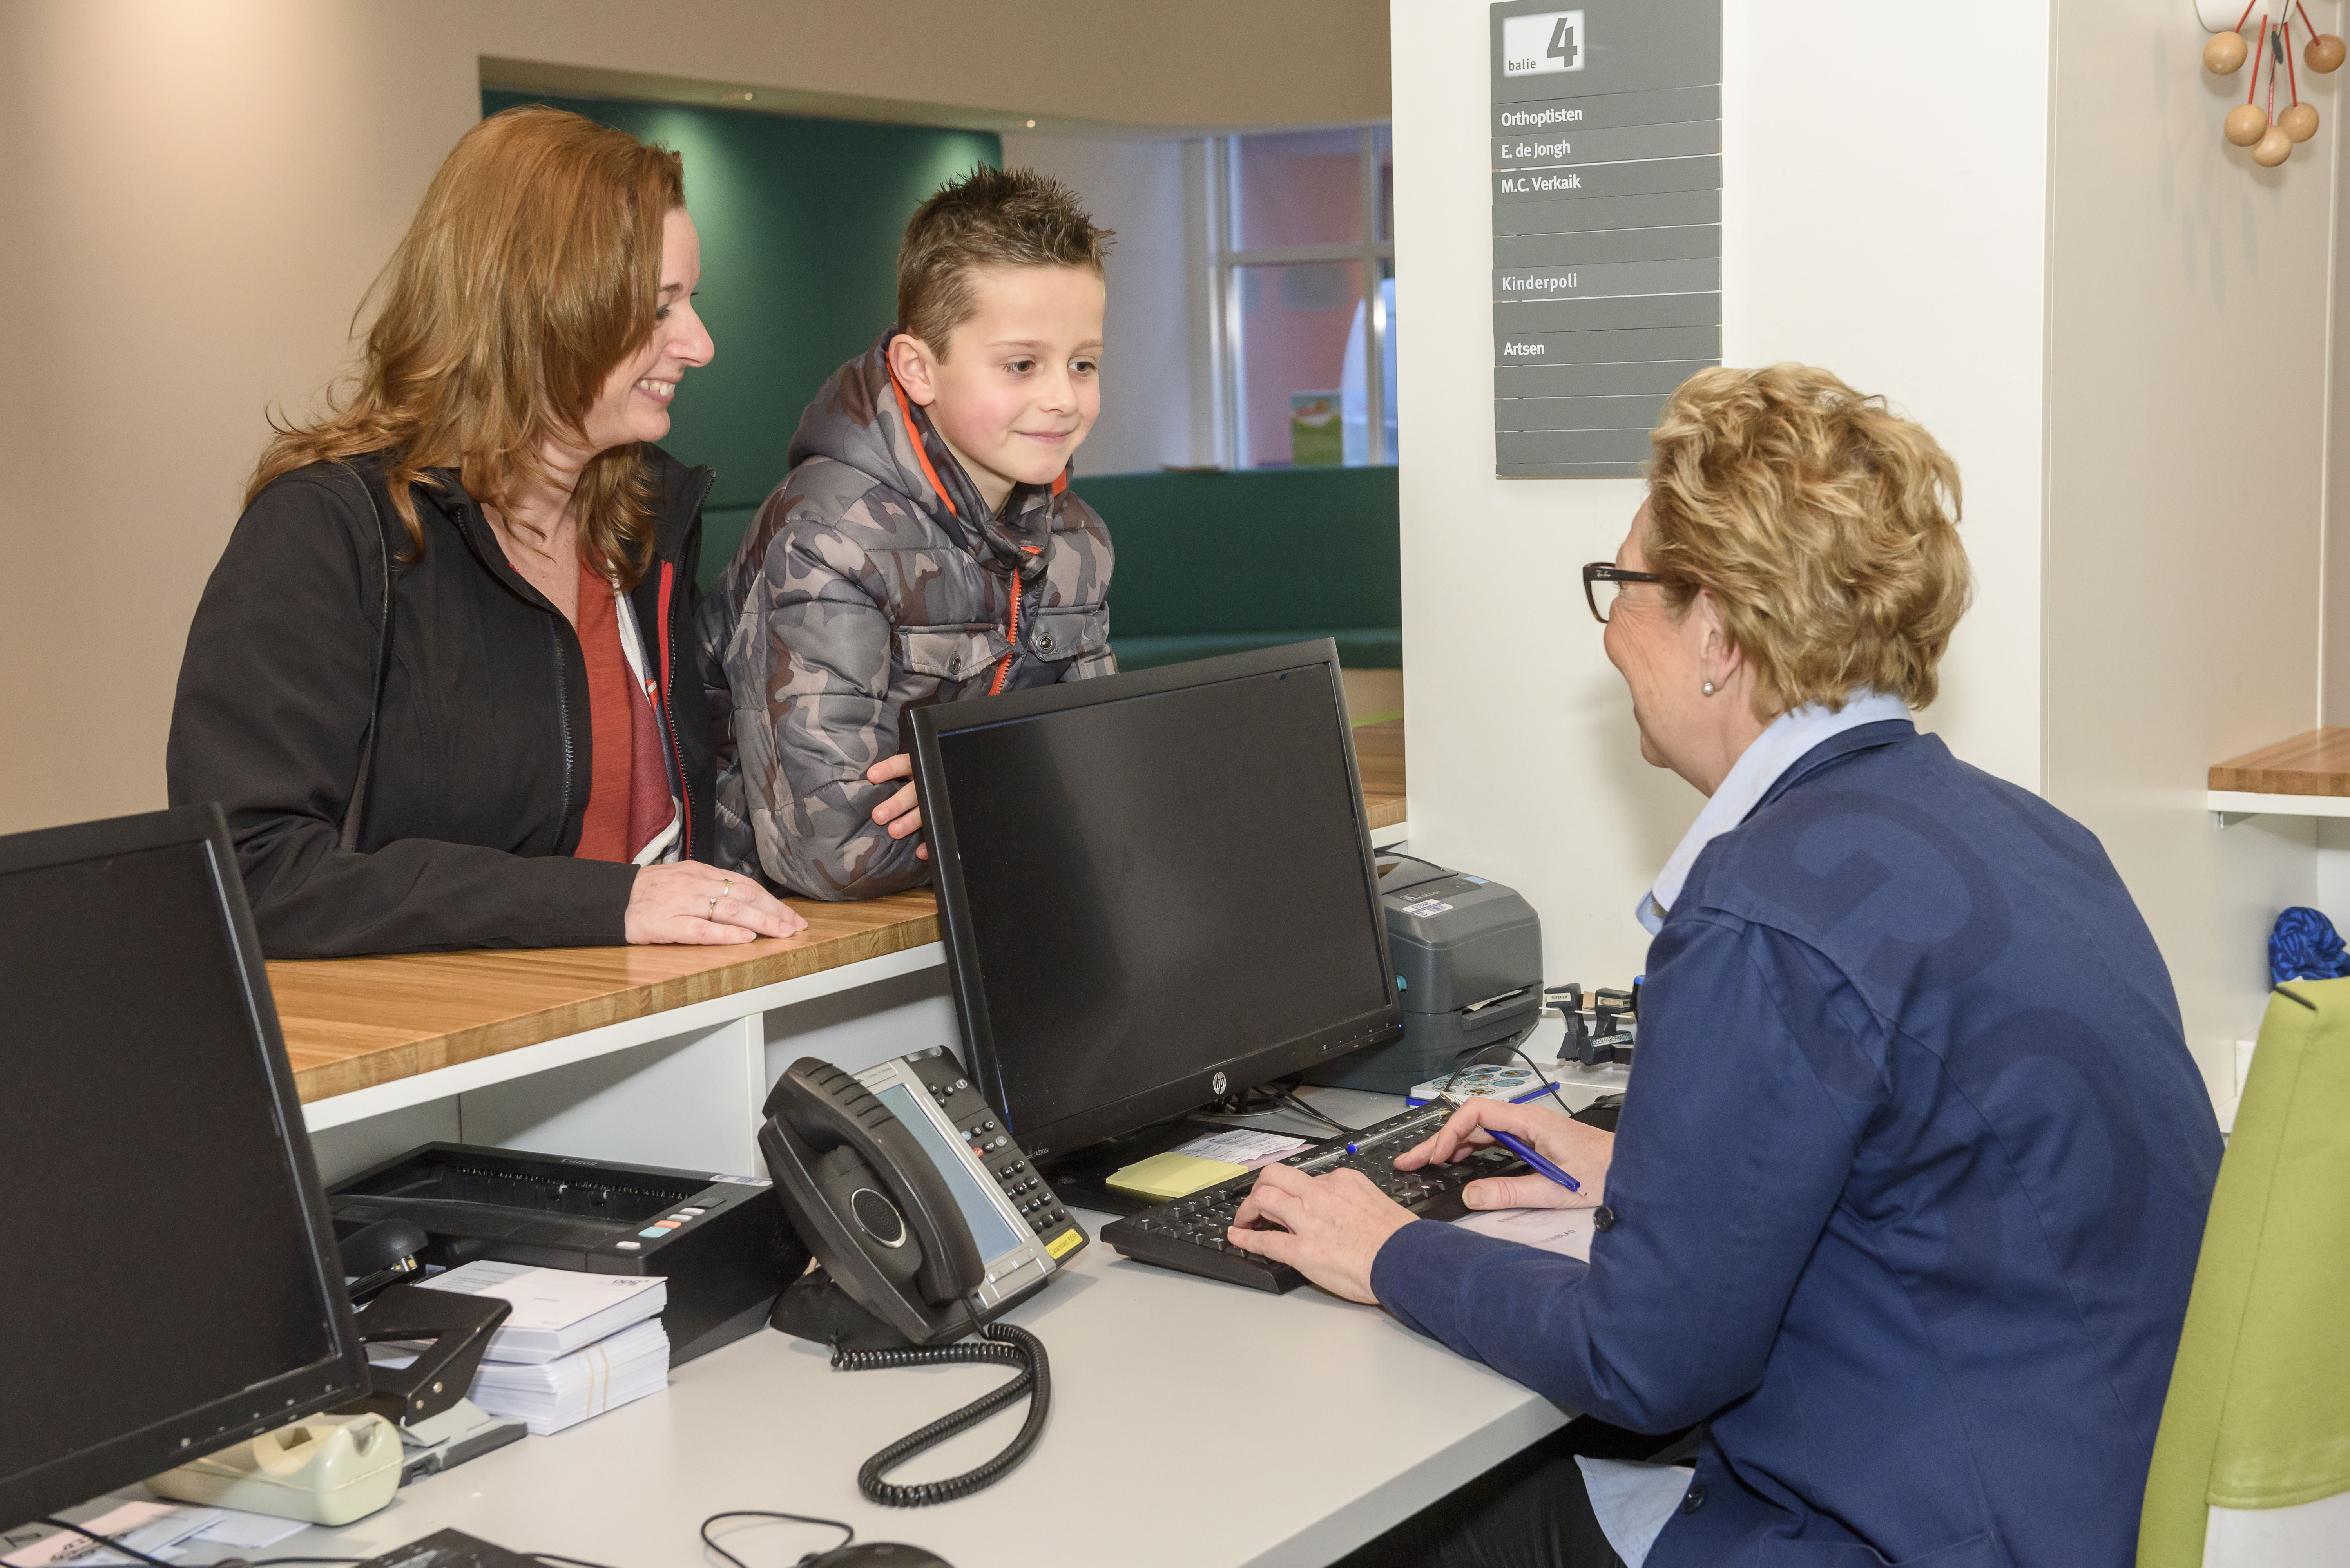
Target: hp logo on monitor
[{"x": 1216, "y": 1083}]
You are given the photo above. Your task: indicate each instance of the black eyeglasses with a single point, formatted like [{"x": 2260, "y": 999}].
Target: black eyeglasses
[{"x": 1603, "y": 584}]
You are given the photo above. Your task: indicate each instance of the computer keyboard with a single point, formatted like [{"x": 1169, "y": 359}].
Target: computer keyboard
[{"x": 1189, "y": 1233}]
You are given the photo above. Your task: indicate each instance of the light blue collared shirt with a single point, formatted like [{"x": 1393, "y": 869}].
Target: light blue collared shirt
[{"x": 1774, "y": 751}]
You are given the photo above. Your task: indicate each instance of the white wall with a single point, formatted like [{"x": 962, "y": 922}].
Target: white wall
[
  {"x": 2188, "y": 383},
  {"x": 197, "y": 197},
  {"x": 1884, "y": 175},
  {"x": 1135, "y": 187},
  {"x": 2332, "y": 889},
  {"x": 2334, "y": 679}
]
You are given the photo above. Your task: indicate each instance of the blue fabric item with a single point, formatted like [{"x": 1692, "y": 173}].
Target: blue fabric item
[
  {"x": 1905, "y": 1201},
  {"x": 2305, "y": 946}
]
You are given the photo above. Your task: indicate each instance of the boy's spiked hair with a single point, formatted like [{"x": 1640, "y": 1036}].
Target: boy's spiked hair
[{"x": 989, "y": 217}]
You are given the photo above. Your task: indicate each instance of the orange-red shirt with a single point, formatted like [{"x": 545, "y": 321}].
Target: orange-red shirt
[{"x": 611, "y": 723}]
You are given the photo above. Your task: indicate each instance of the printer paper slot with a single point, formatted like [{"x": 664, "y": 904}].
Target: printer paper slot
[{"x": 1497, "y": 1001}]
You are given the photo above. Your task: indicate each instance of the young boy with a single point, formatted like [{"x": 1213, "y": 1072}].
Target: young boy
[{"x": 923, "y": 548}]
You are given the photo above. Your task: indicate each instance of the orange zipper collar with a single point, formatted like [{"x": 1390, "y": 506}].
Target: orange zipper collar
[{"x": 921, "y": 456}]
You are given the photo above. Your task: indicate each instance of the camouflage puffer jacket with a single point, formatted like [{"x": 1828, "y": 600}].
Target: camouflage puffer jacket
[{"x": 873, "y": 581}]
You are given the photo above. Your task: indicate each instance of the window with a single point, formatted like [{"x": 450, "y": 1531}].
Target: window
[{"x": 1303, "y": 242}]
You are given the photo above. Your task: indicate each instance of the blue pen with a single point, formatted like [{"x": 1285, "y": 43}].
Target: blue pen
[{"x": 1519, "y": 1148}]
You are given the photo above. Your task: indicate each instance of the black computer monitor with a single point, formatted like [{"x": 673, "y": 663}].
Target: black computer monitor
[
  {"x": 1157, "y": 888},
  {"x": 172, "y": 1279}
]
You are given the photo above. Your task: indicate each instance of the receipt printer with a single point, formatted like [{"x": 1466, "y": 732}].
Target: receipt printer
[{"x": 1468, "y": 962}]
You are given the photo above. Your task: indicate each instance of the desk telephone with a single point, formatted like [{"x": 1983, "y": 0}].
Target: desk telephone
[{"x": 926, "y": 1222}]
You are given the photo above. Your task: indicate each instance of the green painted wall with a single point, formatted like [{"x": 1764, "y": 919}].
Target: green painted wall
[{"x": 800, "y": 222}]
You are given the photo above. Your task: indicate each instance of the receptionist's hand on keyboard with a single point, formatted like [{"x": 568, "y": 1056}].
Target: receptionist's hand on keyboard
[
  {"x": 1333, "y": 1226},
  {"x": 1583, "y": 1152}
]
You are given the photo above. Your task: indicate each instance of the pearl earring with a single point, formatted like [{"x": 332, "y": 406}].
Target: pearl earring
[{"x": 1708, "y": 688}]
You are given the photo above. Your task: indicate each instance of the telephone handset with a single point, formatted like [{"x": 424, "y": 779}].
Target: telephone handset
[
  {"x": 869, "y": 1203},
  {"x": 926, "y": 1222}
]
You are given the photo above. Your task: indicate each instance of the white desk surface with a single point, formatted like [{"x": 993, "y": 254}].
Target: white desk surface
[{"x": 1193, "y": 1423}]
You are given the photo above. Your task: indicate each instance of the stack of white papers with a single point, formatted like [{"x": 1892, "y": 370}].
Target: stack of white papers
[
  {"x": 576, "y": 1344},
  {"x": 555, "y": 1311},
  {"x": 549, "y": 1395}
]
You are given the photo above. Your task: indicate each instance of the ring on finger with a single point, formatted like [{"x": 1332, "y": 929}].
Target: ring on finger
[{"x": 714, "y": 907}]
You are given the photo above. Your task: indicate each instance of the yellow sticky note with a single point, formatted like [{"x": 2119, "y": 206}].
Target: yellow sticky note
[
  {"x": 1166, "y": 1176},
  {"x": 1061, "y": 1245}
]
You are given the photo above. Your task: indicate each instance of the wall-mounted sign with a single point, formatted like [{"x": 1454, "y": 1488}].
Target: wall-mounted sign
[{"x": 1606, "y": 169}]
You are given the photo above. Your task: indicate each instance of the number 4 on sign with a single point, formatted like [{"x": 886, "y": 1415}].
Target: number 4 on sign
[
  {"x": 1567, "y": 41},
  {"x": 1538, "y": 42}
]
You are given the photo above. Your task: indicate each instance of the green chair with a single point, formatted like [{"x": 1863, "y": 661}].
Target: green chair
[{"x": 2251, "y": 1466}]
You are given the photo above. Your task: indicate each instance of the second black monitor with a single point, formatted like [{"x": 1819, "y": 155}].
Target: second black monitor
[
  {"x": 1152, "y": 882},
  {"x": 175, "y": 1284}
]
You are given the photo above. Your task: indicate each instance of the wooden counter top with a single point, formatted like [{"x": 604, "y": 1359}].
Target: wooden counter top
[
  {"x": 1379, "y": 762},
  {"x": 352, "y": 1023},
  {"x": 2315, "y": 763}
]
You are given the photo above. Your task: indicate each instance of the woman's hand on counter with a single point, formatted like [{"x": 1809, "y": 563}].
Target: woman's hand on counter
[
  {"x": 1583, "y": 1152},
  {"x": 901, "y": 813},
  {"x": 691, "y": 902}
]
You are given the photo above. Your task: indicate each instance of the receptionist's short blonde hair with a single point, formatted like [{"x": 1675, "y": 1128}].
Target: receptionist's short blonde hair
[{"x": 1824, "y": 524}]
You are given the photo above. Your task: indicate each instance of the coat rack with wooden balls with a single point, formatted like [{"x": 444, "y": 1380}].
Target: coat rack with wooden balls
[{"x": 2256, "y": 122}]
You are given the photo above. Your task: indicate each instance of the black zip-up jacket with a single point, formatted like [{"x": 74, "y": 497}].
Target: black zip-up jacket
[{"x": 480, "y": 764}]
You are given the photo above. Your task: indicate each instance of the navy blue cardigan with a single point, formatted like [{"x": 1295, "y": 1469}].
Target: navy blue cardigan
[{"x": 1907, "y": 1195}]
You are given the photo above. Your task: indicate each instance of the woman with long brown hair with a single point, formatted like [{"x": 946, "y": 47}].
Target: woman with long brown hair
[{"x": 442, "y": 680}]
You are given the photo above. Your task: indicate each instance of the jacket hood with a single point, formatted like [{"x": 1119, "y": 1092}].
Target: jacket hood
[{"x": 863, "y": 418}]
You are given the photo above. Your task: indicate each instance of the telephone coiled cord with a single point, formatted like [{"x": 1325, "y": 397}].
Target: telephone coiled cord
[{"x": 1006, "y": 1345}]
